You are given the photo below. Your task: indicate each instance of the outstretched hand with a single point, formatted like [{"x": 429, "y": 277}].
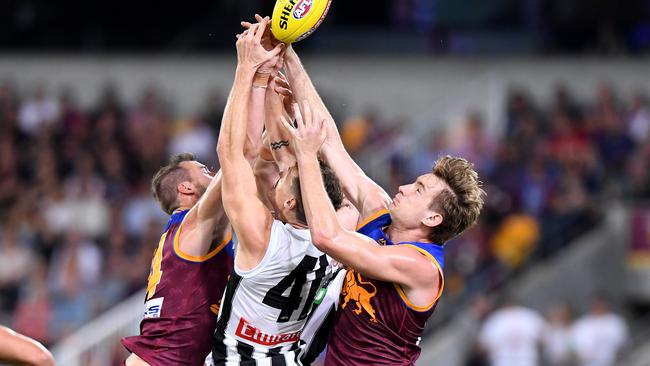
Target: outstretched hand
[
  {"x": 250, "y": 52},
  {"x": 309, "y": 134},
  {"x": 269, "y": 43}
]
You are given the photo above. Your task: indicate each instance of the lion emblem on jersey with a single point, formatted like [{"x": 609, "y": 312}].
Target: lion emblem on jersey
[{"x": 354, "y": 291}]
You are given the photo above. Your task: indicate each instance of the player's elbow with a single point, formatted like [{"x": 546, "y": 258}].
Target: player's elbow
[
  {"x": 324, "y": 238},
  {"x": 321, "y": 241}
]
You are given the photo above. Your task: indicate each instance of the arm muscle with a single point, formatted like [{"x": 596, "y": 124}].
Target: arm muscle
[{"x": 365, "y": 194}]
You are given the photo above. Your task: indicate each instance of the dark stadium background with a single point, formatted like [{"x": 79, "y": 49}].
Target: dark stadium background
[
  {"x": 548, "y": 97},
  {"x": 528, "y": 26}
]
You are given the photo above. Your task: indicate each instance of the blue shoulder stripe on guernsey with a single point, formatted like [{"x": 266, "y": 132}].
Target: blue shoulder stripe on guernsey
[
  {"x": 176, "y": 218},
  {"x": 437, "y": 251},
  {"x": 370, "y": 228},
  {"x": 374, "y": 230},
  {"x": 230, "y": 249}
]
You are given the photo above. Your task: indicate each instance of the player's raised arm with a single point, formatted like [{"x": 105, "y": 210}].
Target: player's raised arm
[
  {"x": 398, "y": 264},
  {"x": 365, "y": 194},
  {"x": 17, "y": 349},
  {"x": 275, "y": 155},
  {"x": 258, "y": 114},
  {"x": 277, "y": 97},
  {"x": 249, "y": 217},
  {"x": 208, "y": 216}
]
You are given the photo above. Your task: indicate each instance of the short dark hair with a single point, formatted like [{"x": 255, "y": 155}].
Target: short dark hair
[
  {"x": 461, "y": 203},
  {"x": 165, "y": 181},
  {"x": 332, "y": 187}
]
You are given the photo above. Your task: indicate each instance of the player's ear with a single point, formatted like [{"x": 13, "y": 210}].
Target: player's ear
[
  {"x": 432, "y": 219},
  {"x": 185, "y": 187},
  {"x": 290, "y": 204}
]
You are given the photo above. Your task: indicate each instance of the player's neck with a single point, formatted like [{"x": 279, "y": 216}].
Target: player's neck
[
  {"x": 182, "y": 208},
  {"x": 186, "y": 203},
  {"x": 298, "y": 225},
  {"x": 293, "y": 221},
  {"x": 398, "y": 234}
]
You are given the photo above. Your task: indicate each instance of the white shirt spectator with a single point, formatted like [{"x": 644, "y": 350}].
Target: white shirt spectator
[
  {"x": 140, "y": 211},
  {"x": 89, "y": 216},
  {"x": 512, "y": 336},
  {"x": 77, "y": 261},
  {"x": 639, "y": 125},
  {"x": 196, "y": 138},
  {"x": 558, "y": 349},
  {"x": 16, "y": 261},
  {"x": 597, "y": 339},
  {"x": 37, "y": 112},
  {"x": 557, "y": 345}
]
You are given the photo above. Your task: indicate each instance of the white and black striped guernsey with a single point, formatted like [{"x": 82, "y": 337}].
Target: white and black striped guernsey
[
  {"x": 321, "y": 320},
  {"x": 263, "y": 310}
]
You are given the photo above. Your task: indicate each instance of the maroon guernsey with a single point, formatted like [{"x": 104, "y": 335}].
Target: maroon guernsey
[
  {"x": 182, "y": 301},
  {"x": 376, "y": 324}
]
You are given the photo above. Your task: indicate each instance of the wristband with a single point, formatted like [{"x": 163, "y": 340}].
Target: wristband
[{"x": 261, "y": 80}]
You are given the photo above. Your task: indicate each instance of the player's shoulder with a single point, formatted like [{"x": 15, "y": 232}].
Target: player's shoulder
[
  {"x": 374, "y": 219},
  {"x": 176, "y": 219},
  {"x": 433, "y": 252}
]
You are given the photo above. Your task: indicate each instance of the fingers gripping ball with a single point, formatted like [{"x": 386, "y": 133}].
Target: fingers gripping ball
[{"x": 294, "y": 20}]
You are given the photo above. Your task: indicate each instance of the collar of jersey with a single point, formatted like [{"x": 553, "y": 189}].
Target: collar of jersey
[
  {"x": 176, "y": 218},
  {"x": 390, "y": 242},
  {"x": 302, "y": 233}
]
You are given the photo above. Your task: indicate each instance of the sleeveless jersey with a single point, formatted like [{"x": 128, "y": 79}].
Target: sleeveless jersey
[
  {"x": 182, "y": 301},
  {"x": 321, "y": 320},
  {"x": 376, "y": 324},
  {"x": 264, "y": 309}
]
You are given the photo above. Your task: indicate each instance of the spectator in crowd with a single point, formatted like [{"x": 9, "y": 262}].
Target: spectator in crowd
[
  {"x": 638, "y": 119},
  {"x": 436, "y": 144},
  {"x": 557, "y": 337},
  {"x": 472, "y": 320},
  {"x": 16, "y": 262},
  {"x": 8, "y": 169},
  {"x": 513, "y": 242},
  {"x": 34, "y": 311},
  {"x": 474, "y": 144},
  {"x": 599, "y": 336},
  {"x": 192, "y": 135},
  {"x": 38, "y": 112},
  {"x": 512, "y": 335}
]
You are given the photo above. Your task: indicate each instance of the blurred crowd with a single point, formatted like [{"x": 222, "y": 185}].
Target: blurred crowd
[
  {"x": 513, "y": 335},
  {"x": 78, "y": 226}
]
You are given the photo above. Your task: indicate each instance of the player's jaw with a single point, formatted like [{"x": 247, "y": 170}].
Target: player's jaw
[{"x": 281, "y": 193}]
